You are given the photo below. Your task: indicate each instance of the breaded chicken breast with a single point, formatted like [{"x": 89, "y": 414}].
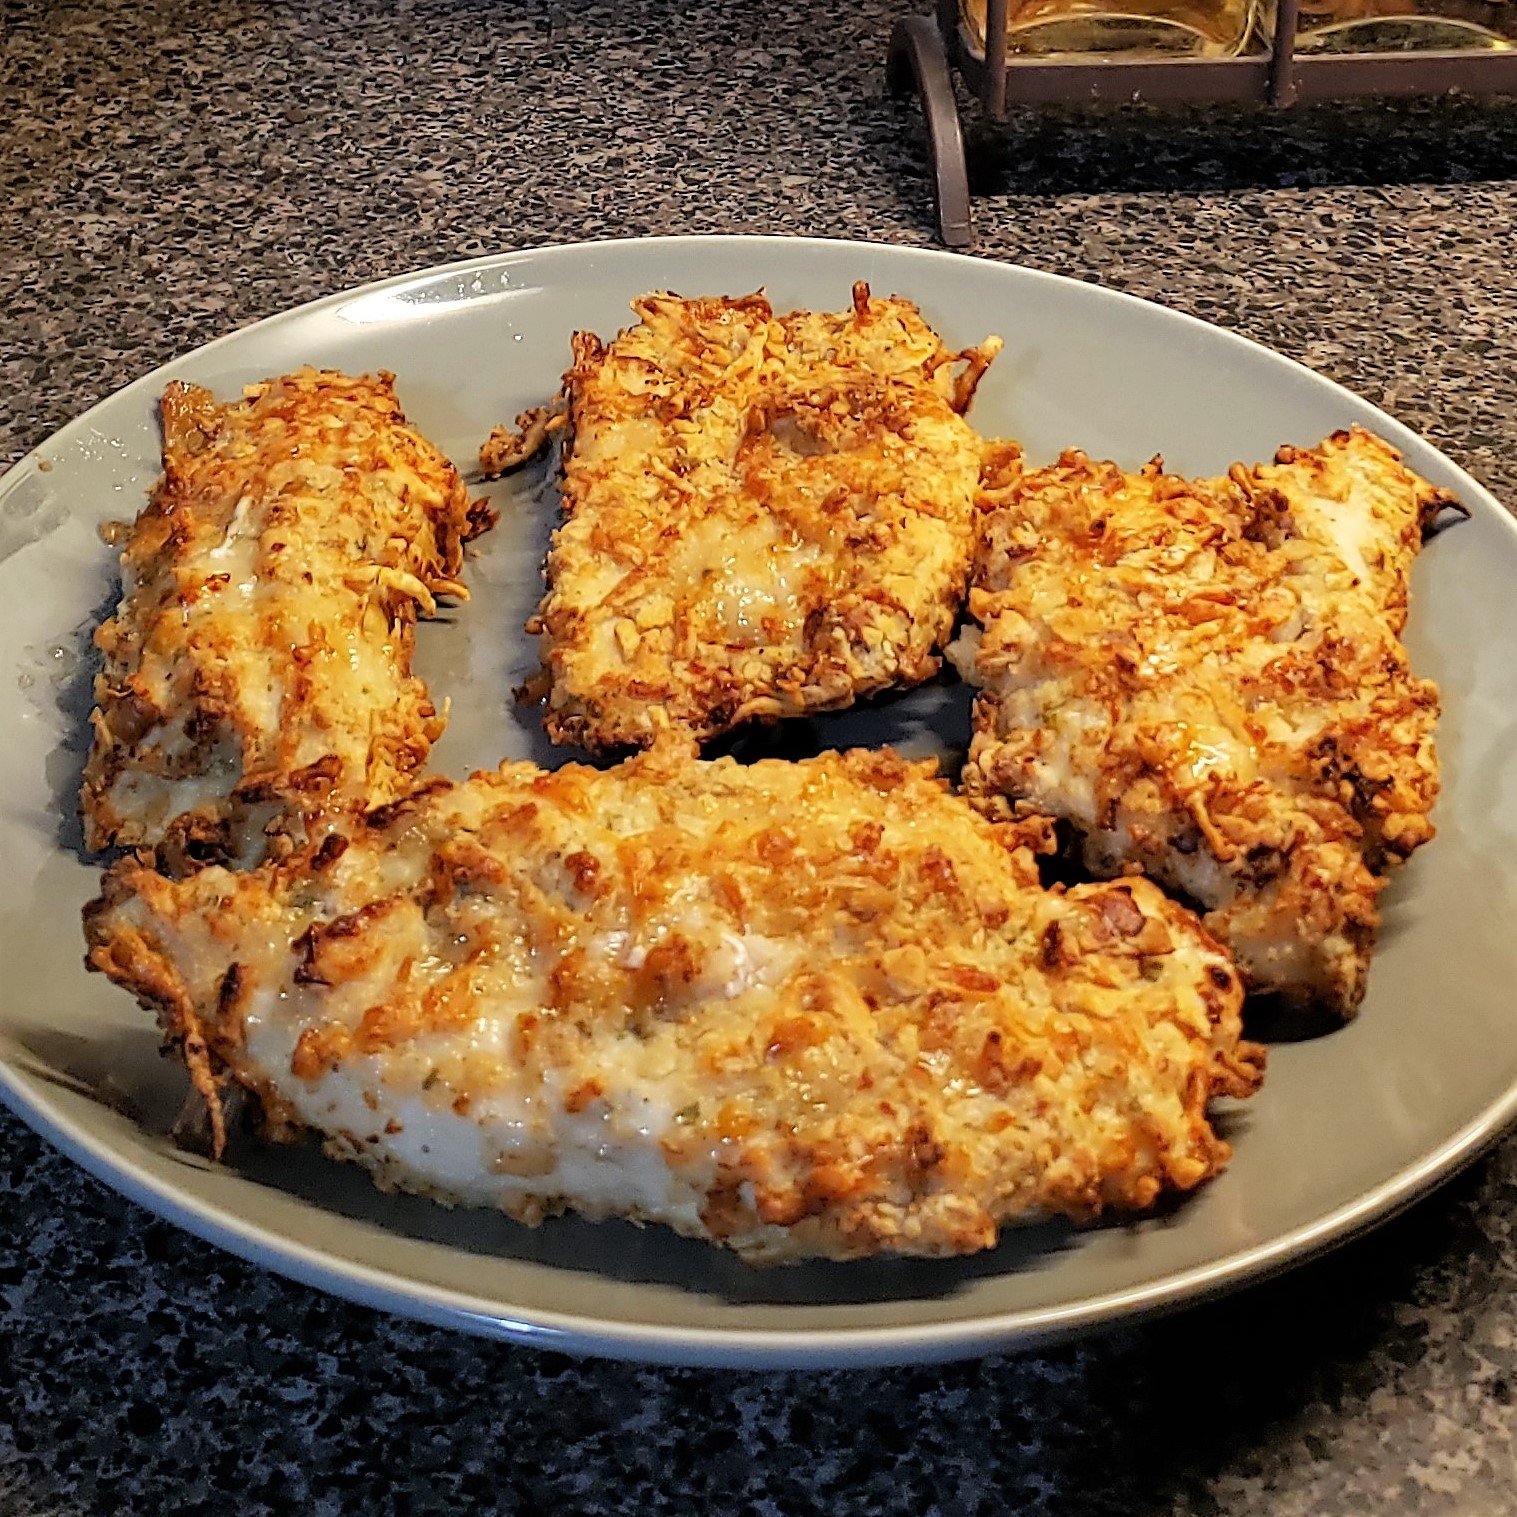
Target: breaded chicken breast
[
  {"x": 818, "y": 1008},
  {"x": 258, "y": 668},
  {"x": 1206, "y": 679},
  {"x": 763, "y": 515}
]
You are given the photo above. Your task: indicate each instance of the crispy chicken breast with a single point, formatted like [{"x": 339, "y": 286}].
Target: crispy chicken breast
[
  {"x": 763, "y": 515},
  {"x": 817, "y": 1008},
  {"x": 257, "y": 670},
  {"x": 1206, "y": 679}
]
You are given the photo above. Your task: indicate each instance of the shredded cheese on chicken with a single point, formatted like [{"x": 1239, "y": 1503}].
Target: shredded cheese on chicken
[
  {"x": 1206, "y": 679},
  {"x": 763, "y": 515},
  {"x": 817, "y": 1008},
  {"x": 257, "y": 671}
]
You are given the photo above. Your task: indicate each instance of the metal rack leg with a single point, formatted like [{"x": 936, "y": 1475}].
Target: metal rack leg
[{"x": 917, "y": 55}]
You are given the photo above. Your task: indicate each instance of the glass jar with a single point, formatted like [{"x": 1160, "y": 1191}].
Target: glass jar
[
  {"x": 1396, "y": 26},
  {"x": 1102, "y": 28}
]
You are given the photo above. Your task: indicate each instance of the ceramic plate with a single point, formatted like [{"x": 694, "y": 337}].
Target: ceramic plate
[{"x": 1348, "y": 1126}]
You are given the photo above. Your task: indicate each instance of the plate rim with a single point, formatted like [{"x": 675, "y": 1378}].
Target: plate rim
[
  {"x": 722, "y": 1347},
  {"x": 750, "y": 1348}
]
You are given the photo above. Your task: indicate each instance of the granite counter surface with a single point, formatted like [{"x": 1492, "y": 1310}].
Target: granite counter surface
[{"x": 171, "y": 171}]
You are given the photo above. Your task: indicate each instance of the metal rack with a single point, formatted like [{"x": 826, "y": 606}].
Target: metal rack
[{"x": 924, "y": 51}]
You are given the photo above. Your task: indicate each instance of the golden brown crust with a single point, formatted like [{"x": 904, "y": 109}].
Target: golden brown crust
[
  {"x": 258, "y": 666},
  {"x": 1205, "y": 678},
  {"x": 763, "y": 515},
  {"x": 812, "y": 1008},
  {"x": 508, "y": 448}
]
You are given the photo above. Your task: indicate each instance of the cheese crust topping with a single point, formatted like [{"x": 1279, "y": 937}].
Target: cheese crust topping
[
  {"x": 258, "y": 668},
  {"x": 1206, "y": 679},
  {"x": 763, "y": 515},
  {"x": 817, "y": 1008}
]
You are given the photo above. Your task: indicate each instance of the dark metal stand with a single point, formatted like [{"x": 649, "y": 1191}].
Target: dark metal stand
[
  {"x": 917, "y": 54},
  {"x": 927, "y": 51}
]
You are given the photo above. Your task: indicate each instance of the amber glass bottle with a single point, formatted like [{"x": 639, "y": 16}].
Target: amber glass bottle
[
  {"x": 1103, "y": 28},
  {"x": 1379, "y": 26}
]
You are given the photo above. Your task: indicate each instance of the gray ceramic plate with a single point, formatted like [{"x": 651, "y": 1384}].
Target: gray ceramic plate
[{"x": 1348, "y": 1127}]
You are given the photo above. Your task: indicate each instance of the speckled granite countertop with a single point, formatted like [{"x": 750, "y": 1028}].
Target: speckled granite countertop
[{"x": 170, "y": 171}]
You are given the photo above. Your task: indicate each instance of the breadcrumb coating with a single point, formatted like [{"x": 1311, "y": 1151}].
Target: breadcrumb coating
[
  {"x": 764, "y": 515},
  {"x": 258, "y": 668},
  {"x": 1205, "y": 677},
  {"x": 798, "y": 1009}
]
